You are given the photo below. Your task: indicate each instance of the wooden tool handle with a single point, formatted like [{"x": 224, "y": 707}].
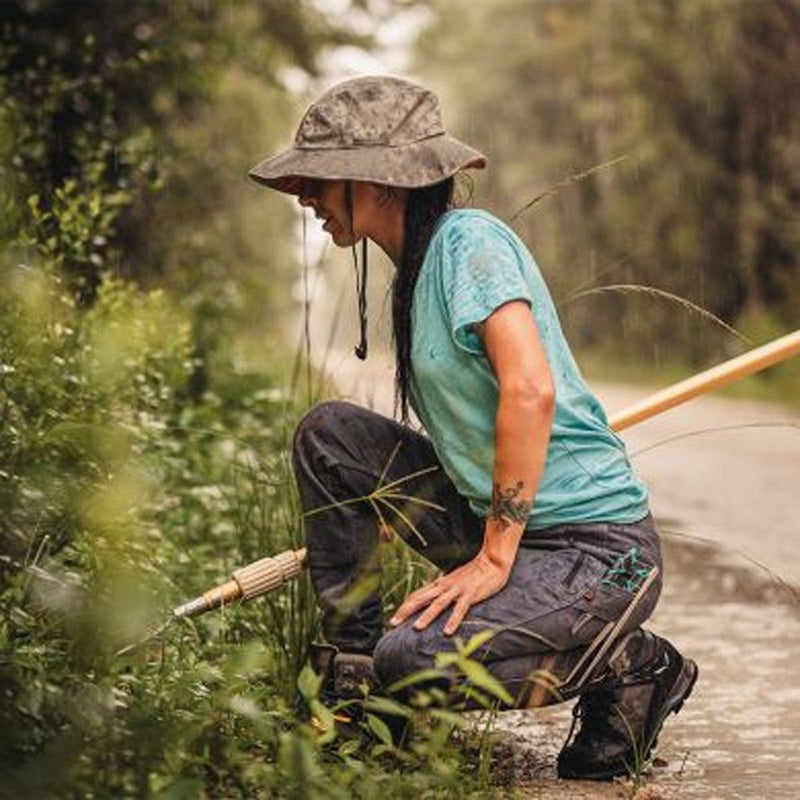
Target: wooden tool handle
[{"x": 721, "y": 375}]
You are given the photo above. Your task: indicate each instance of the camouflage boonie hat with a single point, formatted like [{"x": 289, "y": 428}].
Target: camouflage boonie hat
[{"x": 378, "y": 129}]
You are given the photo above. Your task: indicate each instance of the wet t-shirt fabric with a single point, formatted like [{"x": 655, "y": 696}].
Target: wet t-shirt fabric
[{"x": 475, "y": 264}]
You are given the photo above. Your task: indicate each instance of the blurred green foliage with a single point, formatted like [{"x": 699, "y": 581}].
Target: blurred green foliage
[
  {"x": 142, "y": 457},
  {"x": 700, "y": 97},
  {"x": 138, "y": 122},
  {"x": 120, "y": 498}
]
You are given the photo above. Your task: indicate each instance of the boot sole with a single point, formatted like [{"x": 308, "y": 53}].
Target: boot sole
[{"x": 680, "y": 692}]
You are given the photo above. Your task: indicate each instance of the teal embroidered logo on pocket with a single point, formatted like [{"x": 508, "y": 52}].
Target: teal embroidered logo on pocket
[{"x": 628, "y": 572}]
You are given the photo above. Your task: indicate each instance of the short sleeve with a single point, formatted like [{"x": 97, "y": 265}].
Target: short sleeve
[{"x": 483, "y": 269}]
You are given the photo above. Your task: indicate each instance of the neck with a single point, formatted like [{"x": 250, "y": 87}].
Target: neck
[{"x": 390, "y": 235}]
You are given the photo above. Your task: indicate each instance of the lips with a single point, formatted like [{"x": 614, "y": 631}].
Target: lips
[{"x": 327, "y": 219}]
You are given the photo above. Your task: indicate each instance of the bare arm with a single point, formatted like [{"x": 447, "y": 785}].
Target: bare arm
[
  {"x": 522, "y": 431},
  {"x": 522, "y": 427}
]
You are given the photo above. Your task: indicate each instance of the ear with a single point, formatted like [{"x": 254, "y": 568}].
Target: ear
[{"x": 386, "y": 196}]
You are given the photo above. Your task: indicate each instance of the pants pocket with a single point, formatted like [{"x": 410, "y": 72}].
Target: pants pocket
[{"x": 612, "y": 588}]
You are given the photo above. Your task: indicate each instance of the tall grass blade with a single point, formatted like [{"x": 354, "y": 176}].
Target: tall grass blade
[
  {"x": 568, "y": 181},
  {"x": 704, "y": 431},
  {"x": 411, "y": 475},
  {"x": 413, "y": 499},
  {"x": 384, "y": 525},
  {"x": 406, "y": 520},
  {"x": 338, "y": 504},
  {"x": 388, "y": 464},
  {"x": 635, "y": 288},
  {"x": 587, "y": 284}
]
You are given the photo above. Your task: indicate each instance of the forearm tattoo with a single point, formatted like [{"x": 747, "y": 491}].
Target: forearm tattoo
[{"x": 508, "y": 507}]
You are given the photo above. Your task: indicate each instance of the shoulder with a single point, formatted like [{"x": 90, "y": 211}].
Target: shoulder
[
  {"x": 475, "y": 237},
  {"x": 471, "y": 223},
  {"x": 470, "y": 229}
]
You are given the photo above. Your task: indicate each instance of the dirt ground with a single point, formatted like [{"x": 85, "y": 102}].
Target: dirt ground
[{"x": 724, "y": 477}]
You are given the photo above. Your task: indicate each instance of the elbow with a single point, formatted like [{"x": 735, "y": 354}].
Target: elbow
[
  {"x": 536, "y": 398},
  {"x": 545, "y": 400}
]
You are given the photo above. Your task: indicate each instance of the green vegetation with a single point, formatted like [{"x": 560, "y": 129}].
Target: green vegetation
[
  {"x": 120, "y": 499},
  {"x": 146, "y": 413}
]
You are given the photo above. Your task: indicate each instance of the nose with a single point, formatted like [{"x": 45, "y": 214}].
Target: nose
[
  {"x": 306, "y": 200},
  {"x": 308, "y": 194}
]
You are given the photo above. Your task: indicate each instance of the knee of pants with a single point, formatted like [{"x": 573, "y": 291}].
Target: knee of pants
[
  {"x": 397, "y": 655},
  {"x": 322, "y": 417}
]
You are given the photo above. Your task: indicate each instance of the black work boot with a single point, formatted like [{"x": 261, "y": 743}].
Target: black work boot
[
  {"x": 620, "y": 721},
  {"x": 345, "y": 676},
  {"x": 347, "y": 680}
]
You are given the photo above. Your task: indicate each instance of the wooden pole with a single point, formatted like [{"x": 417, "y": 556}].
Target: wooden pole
[{"x": 729, "y": 371}]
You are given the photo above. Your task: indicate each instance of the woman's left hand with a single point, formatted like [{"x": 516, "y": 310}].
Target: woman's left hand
[{"x": 470, "y": 583}]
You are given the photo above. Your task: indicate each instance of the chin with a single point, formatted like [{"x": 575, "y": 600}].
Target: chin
[{"x": 341, "y": 239}]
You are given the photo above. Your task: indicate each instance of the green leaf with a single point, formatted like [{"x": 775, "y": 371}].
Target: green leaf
[
  {"x": 444, "y": 660},
  {"x": 387, "y": 706},
  {"x": 308, "y": 683},
  {"x": 450, "y": 717},
  {"x": 477, "y": 641},
  {"x": 325, "y": 722},
  {"x": 380, "y": 729},
  {"x": 420, "y": 676},
  {"x": 478, "y": 675},
  {"x": 348, "y": 748}
]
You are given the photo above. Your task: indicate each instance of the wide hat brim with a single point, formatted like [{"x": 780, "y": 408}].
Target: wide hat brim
[{"x": 409, "y": 166}]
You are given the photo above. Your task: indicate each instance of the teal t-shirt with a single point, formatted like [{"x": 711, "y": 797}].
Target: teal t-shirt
[{"x": 474, "y": 264}]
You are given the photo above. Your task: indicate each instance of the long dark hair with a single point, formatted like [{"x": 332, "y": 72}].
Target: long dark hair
[{"x": 423, "y": 209}]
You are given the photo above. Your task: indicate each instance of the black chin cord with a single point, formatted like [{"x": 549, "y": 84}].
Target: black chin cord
[
  {"x": 361, "y": 288},
  {"x": 361, "y": 280}
]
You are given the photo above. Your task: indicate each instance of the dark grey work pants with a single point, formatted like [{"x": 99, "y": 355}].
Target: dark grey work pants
[{"x": 558, "y": 597}]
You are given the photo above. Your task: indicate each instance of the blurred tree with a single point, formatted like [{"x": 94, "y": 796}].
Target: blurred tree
[
  {"x": 126, "y": 129},
  {"x": 141, "y": 119},
  {"x": 701, "y": 99}
]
